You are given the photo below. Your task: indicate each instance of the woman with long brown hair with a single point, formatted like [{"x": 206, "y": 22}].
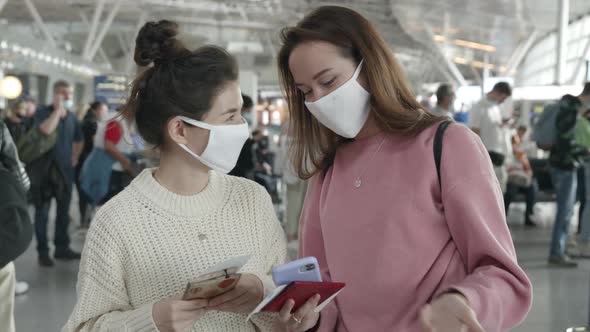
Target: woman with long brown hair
[{"x": 417, "y": 251}]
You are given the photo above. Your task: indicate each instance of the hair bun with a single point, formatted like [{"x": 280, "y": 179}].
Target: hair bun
[{"x": 156, "y": 43}]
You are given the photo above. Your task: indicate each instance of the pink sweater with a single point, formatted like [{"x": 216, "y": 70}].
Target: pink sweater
[{"x": 397, "y": 246}]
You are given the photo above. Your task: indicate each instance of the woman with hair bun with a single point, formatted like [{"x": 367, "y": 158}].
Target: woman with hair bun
[{"x": 174, "y": 222}]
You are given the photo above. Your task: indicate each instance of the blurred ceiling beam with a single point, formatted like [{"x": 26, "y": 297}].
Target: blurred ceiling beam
[
  {"x": 2, "y": 4},
  {"x": 578, "y": 70},
  {"x": 451, "y": 66},
  {"x": 232, "y": 24},
  {"x": 101, "y": 51},
  {"x": 103, "y": 32},
  {"x": 98, "y": 9},
  {"x": 39, "y": 21},
  {"x": 521, "y": 52},
  {"x": 140, "y": 22}
]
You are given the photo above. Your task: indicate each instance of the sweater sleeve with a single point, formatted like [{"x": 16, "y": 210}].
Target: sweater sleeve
[
  {"x": 496, "y": 288},
  {"x": 275, "y": 251},
  {"x": 103, "y": 304},
  {"x": 311, "y": 243}
]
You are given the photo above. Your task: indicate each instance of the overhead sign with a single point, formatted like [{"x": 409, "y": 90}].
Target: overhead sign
[{"x": 111, "y": 90}]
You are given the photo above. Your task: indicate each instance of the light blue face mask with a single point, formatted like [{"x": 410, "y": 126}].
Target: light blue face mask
[
  {"x": 68, "y": 104},
  {"x": 248, "y": 118}
]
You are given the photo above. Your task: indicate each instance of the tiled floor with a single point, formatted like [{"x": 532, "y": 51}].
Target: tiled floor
[{"x": 561, "y": 296}]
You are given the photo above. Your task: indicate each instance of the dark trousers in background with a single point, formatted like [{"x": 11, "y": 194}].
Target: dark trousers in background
[
  {"x": 119, "y": 181},
  {"x": 62, "y": 221},
  {"x": 530, "y": 193},
  {"x": 83, "y": 204},
  {"x": 566, "y": 186},
  {"x": 581, "y": 196}
]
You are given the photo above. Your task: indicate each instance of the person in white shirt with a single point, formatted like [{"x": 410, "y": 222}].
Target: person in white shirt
[
  {"x": 485, "y": 119},
  {"x": 445, "y": 96}
]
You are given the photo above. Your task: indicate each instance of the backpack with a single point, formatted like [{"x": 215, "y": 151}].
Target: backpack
[
  {"x": 34, "y": 144},
  {"x": 545, "y": 130}
]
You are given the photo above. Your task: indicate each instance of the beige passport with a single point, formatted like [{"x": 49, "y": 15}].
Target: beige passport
[
  {"x": 218, "y": 280},
  {"x": 211, "y": 285}
]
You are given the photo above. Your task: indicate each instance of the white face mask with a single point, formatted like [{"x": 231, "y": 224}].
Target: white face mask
[
  {"x": 346, "y": 109},
  {"x": 224, "y": 147},
  {"x": 68, "y": 104}
]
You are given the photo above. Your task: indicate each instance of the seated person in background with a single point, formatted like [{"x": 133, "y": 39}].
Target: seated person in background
[
  {"x": 174, "y": 222},
  {"x": 520, "y": 178}
]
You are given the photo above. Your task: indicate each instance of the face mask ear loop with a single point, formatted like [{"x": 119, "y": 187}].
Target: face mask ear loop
[
  {"x": 196, "y": 123},
  {"x": 357, "y": 72}
]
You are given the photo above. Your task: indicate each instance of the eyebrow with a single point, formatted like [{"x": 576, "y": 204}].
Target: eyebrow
[{"x": 317, "y": 75}]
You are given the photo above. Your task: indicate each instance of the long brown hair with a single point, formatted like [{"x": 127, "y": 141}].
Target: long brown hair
[{"x": 393, "y": 104}]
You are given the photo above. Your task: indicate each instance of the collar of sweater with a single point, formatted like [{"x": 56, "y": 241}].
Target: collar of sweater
[{"x": 204, "y": 203}]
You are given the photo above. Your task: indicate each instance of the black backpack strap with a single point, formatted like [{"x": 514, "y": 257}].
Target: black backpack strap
[{"x": 438, "y": 146}]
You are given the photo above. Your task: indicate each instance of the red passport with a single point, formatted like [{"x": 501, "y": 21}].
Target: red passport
[{"x": 300, "y": 292}]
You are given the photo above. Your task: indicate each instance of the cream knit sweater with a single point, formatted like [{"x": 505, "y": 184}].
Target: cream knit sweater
[{"x": 146, "y": 243}]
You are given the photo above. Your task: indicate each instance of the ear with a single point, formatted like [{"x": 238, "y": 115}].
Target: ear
[{"x": 177, "y": 131}]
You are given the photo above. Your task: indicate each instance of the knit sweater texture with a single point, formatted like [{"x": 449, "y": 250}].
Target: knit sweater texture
[{"x": 145, "y": 244}]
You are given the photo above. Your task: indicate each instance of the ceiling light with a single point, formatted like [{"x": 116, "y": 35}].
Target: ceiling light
[
  {"x": 439, "y": 38},
  {"x": 461, "y": 61},
  {"x": 474, "y": 45},
  {"x": 11, "y": 87}
]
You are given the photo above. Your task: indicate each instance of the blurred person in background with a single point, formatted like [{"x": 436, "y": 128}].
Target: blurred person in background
[
  {"x": 120, "y": 145},
  {"x": 582, "y": 137},
  {"x": 263, "y": 164},
  {"x": 378, "y": 211},
  {"x": 245, "y": 165},
  {"x": 566, "y": 157},
  {"x": 520, "y": 178},
  {"x": 57, "y": 179},
  {"x": 295, "y": 187},
  {"x": 445, "y": 96},
  {"x": 19, "y": 117},
  {"x": 248, "y": 110},
  {"x": 96, "y": 112},
  {"x": 96, "y": 174},
  {"x": 19, "y": 120},
  {"x": 486, "y": 120},
  {"x": 16, "y": 230}
]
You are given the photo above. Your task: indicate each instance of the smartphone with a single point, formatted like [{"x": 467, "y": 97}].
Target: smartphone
[{"x": 304, "y": 269}]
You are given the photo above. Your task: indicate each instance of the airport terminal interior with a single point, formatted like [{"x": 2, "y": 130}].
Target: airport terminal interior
[{"x": 110, "y": 110}]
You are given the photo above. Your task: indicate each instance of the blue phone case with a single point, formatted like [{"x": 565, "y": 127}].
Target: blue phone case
[{"x": 304, "y": 269}]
